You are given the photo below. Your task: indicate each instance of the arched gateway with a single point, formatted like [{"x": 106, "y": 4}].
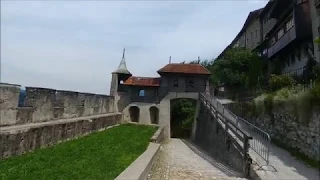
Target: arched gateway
[{"x": 177, "y": 80}]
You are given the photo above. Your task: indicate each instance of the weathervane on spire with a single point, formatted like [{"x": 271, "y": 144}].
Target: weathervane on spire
[
  {"x": 124, "y": 50},
  {"x": 170, "y": 60},
  {"x": 122, "y": 68}
]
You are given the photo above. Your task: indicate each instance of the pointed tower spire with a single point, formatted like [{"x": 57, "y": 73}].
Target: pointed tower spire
[
  {"x": 170, "y": 60},
  {"x": 122, "y": 69}
]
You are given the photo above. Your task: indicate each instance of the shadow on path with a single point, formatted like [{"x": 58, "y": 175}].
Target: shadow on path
[{"x": 219, "y": 165}]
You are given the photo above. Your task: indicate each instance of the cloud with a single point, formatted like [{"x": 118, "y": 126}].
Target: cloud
[{"x": 76, "y": 45}]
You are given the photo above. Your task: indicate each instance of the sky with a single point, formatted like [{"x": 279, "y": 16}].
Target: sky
[{"x": 75, "y": 45}]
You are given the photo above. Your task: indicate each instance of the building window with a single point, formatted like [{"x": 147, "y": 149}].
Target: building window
[
  {"x": 293, "y": 58},
  {"x": 175, "y": 83},
  {"x": 265, "y": 51},
  {"x": 141, "y": 92},
  {"x": 318, "y": 37},
  {"x": 273, "y": 40},
  {"x": 191, "y": 83},
  {"x": 288, "y": 61},
  {"x": 280, "y": 33},
  {"x": 298, "y": 54},
  {"x": 301, "y": 1},
  {"x": 289, "y": 24}
]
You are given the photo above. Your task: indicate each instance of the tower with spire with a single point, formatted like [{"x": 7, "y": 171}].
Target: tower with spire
[{"x": 120, "y": 75}]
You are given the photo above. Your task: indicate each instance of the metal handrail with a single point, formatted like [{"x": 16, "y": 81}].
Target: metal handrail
[
  {"x": 261, "y": 141},
  {"x": 234, "y": 133},
  {"x": 225, "y": 120}
]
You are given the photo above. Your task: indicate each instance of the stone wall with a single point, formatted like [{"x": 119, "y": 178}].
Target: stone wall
[
  {"x": 43, "y": 104},
  {"x": 285, "y": 126},
  {"x": 18, "y": 139},
  {"x": 210, "y": 135}
]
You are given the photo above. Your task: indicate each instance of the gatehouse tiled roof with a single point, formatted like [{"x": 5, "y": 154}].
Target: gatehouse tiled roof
[
  {"x": 142, "y": 81},
  {"x": 184, "y": 69}
]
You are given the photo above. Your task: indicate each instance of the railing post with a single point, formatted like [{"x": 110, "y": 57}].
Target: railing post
[
  {"x": 226, "y": 129},
  {"x": 246, "y": 158}
]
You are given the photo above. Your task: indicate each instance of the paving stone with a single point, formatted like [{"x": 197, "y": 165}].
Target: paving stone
[{"x": 177, "y": 161}]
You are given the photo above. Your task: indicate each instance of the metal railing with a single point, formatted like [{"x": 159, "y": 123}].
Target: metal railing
[
  {"x": 261, "y": 140},
  {"x": 233, "y": 133}
]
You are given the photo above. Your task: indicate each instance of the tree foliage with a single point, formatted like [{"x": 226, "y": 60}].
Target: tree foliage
[
  {"x": 183, "y": 111},
  {"x": 317, "y": 40},
  {"x": 239, "y": 67}
]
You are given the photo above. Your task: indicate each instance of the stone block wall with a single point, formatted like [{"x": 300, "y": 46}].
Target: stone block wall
[
  {"x": 9, "y": 99},
  {"x": 286, "y": 127},
  {"x": 43, "y": 104},
  {"x": 20, "y": 139}
]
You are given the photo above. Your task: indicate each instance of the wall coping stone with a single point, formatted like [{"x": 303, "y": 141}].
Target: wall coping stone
[
  {"x": 25, "y": 127},
  {"x": 140, "y": 168},
  {"x": 39, "y": 88},
  {"x": 158, "y": 135},
  {"x": 67, "y": 92},
  {"x": 9, "y": 85}
]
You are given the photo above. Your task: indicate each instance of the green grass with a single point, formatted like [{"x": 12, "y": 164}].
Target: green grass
[{"x": 100, "y": 155}]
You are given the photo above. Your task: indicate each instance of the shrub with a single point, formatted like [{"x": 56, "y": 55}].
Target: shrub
[
  {"x": 277, "y": 82},
  {"x": 316, "y": 72},
  {"x": 315, "y": 91},
  {"x": 303, "y": 106}
]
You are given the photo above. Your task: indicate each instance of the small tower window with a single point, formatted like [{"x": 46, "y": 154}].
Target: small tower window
[{"x": 141, "y": 92}]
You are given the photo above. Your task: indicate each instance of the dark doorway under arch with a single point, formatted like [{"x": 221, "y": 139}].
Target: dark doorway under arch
[
  {"x": 154, "y": 115},
  {"x": 182, "y": 113},
  {"x": 134, "y": 112}
]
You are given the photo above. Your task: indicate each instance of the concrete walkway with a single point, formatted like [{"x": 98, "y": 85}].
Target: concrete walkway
[
  {"x": 180, "y": 160},
  {"x": 282, "y": 165}
]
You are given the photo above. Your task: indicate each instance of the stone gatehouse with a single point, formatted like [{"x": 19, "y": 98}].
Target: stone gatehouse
[{"x": 146, "y": 100}]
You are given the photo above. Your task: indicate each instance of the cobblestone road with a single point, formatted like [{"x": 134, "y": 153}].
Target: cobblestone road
[{"x": 179, "y": 159}]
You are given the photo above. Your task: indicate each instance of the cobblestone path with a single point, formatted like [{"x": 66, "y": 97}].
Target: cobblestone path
[{"x": 179, "y": 159}]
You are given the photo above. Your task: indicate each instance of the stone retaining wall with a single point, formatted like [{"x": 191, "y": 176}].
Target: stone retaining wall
[
  {"x": 285, "y": 127},
  {"x": 16, "y": 140}
]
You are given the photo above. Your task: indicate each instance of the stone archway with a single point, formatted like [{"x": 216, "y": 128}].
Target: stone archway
[
  {"x": 134, "y": 112},
  {"x": 182, "y": 111},
  {"x": 154, "y": 115}
]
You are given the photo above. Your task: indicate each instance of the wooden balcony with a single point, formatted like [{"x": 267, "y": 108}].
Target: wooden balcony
[{"x": 287, "y": 38}]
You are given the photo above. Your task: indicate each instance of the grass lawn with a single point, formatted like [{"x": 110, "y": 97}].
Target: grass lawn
[{"x": 100, "y": 155}]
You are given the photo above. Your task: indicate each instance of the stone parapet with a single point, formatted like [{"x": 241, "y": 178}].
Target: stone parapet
[
  {"x": 19, "y": 139},
  {"x": 43, "y": 104}
]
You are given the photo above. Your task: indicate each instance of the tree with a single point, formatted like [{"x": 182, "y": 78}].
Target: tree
[
  {"x": 182, "y": 115},
  {"x": 239, "y": 67},
  {"x": 317, "y": 40}
]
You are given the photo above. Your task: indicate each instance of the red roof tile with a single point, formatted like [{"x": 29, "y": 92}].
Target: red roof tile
[
  {"x": 185, "y": 69},
  {"x": 142, "y": 81}
]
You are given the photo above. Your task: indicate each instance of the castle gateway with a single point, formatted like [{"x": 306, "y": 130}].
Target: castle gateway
[{"x": 146, "y": 100}]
